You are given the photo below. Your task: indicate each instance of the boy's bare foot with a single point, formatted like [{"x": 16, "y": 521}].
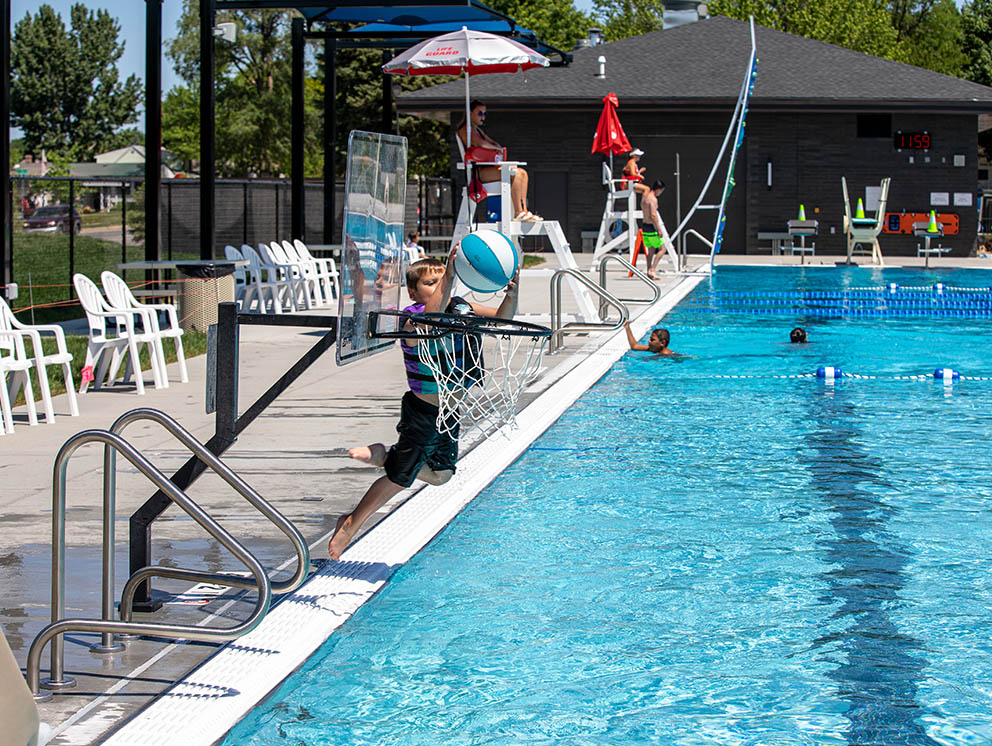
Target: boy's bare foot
[
  {"x": 374, "y": 454},
  {"x": 652, "y": 275},
  {"x": 343, "y": 532}
]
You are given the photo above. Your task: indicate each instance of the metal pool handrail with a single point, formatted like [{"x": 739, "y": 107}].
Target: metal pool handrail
[
  {"x": 655, "y": 290},
  {"x": 224, "y": 472},
  {"x": 559, "y": 329},
  {"x": 60, "y": 626}
]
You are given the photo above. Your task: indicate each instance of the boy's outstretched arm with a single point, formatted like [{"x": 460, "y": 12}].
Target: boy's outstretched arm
[
  {"x": 442, "y": 294},
  {"x": 634, "y": 344}
]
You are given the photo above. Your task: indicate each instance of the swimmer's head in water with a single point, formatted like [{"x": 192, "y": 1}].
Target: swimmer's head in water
[
  {"x": 658, "y": 340},
  {"x": 797, "y": 335}
]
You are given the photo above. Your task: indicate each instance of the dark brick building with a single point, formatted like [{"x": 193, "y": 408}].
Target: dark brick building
[{"x": 818, "y": 112}]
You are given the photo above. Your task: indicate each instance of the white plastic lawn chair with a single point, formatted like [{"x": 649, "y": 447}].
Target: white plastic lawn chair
[
  {"x": 125, "y": 343},
  {"x": 261, "y": 277},
  {"x": 310, "y": 270},
  {"x": 327, "y": 270},
  {"x": 290, "y": 273},
  {"x": 120, "y": 296},
  {"x": 14, "y": 362},
  {"x": 9, "y": 322},
  {"x": 240, "y": 277}
]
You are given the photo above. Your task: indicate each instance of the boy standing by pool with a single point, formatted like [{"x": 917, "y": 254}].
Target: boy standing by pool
[
  {"x": 652, "y": 230},
  {"x": 421, "y": 452}
]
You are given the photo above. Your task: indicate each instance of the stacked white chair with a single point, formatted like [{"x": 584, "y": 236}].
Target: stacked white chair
[
  {"x": 124, "y": 343},
  {"x": 9, "y": 322},
  {"x": 261, "y": 278},
  {"x": 240, "y": 277},
  {"x": 15, "y": 363},
  {"x": 121, "y": 297},
  {"x": 315, "y": 290},
  {"x": 287, "y": 273},
  {"x": 327, "y": 270}
]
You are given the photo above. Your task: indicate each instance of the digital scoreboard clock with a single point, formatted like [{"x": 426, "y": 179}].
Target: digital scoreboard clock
[{"x": 912, "y": 141}]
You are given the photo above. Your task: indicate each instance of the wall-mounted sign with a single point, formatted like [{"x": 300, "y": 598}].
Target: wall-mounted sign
[{"x": 940, "y": 198}]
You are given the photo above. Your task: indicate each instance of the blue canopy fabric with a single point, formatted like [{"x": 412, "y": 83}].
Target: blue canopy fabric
[{"x": 402, "y": 15}]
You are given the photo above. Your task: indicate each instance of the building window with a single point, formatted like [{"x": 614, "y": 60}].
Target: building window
[{"x": 874, "y": 125}]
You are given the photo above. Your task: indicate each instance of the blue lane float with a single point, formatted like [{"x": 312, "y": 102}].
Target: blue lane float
[
  {"x": 829, "y": 372},
  {"x": 946, "y": 374}
]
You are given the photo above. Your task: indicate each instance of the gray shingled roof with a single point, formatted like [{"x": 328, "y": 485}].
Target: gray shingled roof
[{"x": 702, "y": 64}]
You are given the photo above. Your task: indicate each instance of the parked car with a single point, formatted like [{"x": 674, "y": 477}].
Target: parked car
[{"x": 52, "y": 219}]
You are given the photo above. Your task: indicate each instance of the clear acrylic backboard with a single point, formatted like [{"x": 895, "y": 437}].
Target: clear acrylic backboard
[{"x": 372, "y": 271}]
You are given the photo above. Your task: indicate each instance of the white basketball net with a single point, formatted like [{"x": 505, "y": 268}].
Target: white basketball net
[{"x": 480, "y": 376}]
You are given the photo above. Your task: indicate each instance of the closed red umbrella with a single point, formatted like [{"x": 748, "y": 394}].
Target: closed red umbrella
[{"x": 610, "y": 137}]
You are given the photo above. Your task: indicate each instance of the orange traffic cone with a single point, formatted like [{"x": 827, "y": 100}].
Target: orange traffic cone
[{"x": 638, "y": 248}]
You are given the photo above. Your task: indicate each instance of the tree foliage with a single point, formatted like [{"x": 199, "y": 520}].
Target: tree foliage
[
  {"x": 862, "y": 25},
  {"x": 66, "y": 94},
  {"x": 253, "y": 95},
  {"x": 624, "y": 18},
  {"x": 976, "y": 23},
  {"x": 556, "y": 22}
]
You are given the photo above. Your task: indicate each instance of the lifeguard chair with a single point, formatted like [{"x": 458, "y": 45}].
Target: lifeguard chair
[
  {"x": 863, "y": 231},
  {"x": 621, "y": 208},
  {"x": 501, "y": 219}
]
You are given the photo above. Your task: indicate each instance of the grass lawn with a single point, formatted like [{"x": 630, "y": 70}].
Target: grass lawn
[
  {"x": 532, "y": 260},
  {"x": 194, "y": 344},
  {"x": 42, "y": 261}
]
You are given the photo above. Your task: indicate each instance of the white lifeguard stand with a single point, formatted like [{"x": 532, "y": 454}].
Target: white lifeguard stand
[
  {"x": 864, "y": 231},
  {"x": 621, "y": 205},
  {"x": 464, "y": 223}
]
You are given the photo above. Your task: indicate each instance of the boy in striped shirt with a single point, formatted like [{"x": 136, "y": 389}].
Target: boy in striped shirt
[{"x": 421, "y": 452}]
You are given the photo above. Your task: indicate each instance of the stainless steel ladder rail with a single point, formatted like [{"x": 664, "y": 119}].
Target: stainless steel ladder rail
[
  {"x": 224, "y": 472},
  {"x": 59, "y": 626},
  {"x": 655, "y": 290},
  {"x": 559, "y": 329}
]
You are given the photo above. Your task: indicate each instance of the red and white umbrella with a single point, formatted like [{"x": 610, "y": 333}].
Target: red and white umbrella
[{"x": 469, "y": 52}]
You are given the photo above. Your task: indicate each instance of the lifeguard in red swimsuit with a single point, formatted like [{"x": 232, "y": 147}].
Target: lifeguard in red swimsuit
[{"x": 635, "y": 174}]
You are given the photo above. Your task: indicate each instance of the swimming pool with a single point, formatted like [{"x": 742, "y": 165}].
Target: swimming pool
[{"x": 689, "y": 558}]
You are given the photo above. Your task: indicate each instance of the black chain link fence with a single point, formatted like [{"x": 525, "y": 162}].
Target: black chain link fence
[{"x": 106, "y": 227}]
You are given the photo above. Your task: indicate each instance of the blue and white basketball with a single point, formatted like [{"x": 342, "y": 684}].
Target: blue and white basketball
[{"x": 486, "y": 261}]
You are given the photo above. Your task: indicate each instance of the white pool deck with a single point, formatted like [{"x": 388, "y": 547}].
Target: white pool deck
[{"x": 296, "y": 456}]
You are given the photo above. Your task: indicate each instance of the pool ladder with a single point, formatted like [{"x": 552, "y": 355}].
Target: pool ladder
[
  {"x": 606, "y": 299},
  {"x": 125, "y": 628}
]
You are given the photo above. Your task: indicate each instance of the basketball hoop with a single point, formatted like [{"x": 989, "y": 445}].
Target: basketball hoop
[{"x": 481, "y": 364}]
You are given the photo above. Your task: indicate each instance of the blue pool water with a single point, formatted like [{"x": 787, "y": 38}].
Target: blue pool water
[{"x": 688, "y": 559}]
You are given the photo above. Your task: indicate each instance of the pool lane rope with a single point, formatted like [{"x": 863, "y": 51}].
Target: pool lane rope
[{"x": 834, "y": 373}]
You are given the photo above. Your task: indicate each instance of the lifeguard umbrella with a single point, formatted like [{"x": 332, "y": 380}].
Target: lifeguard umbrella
[
  {"x": 610, "y": 137},
  {"x": 469, "y": 52}
]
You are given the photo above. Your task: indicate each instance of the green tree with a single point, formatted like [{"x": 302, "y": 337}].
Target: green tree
[
  {"x": 624, "y": 18},
  {"x": 66, "y": 94},
  {"x": 862, "y": 25},
  {"x": 253, "y": 95},
  {"x": 556, "y": 22},
  {"x": 976, "y": 23},
  {"x": 930, "y": 34}
]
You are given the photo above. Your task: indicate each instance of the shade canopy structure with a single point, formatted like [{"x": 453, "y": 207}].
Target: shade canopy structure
[{"x": 610, "y": 137}]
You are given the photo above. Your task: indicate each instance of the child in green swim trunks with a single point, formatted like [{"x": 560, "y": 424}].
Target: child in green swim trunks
[{"x": 651, "y": 232}]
